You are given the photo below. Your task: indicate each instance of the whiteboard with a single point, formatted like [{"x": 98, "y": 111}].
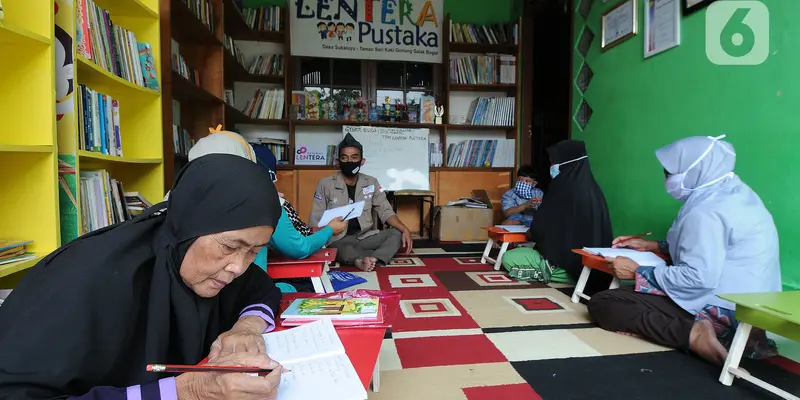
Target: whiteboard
[{"x": 397, "y": 157}]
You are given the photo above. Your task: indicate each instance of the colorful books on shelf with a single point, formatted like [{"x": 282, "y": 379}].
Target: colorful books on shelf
[
  {"x": 113, "y": 47},
  {"x": 101, "y": 200},
  {"x": 263, "y": 18},
  {"x": 180, "y": 66},
  {"x": 484, "y": 34},
  {"x": 497, "y": 153},
  {"x": 268, "y": 64},
  {"x": 203, "y": 10},
  {"x": 492, "y": 111},
  {"x": 278, "y": 147},
  {"x": 14, "y": 250},
  {"x": 136, "y": 203},
  {"x": 232, "y": 48},
  {"x": 484, "y": 70},
  {"x": 181, "y": 140},
  {"x": 359, "y": 308},
  {"x": 98, "y": 122},
  {"x": 265, "y": 104}
]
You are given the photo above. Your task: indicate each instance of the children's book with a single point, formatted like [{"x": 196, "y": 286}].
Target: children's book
[
  {"x": 12, "y": 244},
  {"x": 317, "y": 363},
  {"x": 316, "y": 308}
]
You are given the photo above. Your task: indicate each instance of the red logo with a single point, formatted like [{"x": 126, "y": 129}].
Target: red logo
[{"x": 302, "y": 150}]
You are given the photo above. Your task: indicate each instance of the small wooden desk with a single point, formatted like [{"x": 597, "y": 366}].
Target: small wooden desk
[
  {"x": 315, "y": 267},
  {"x": 778, "y": 313},
  {"x": 590, "y": 261},
  {"x": 362, "y": 345},
  {"x": 504, "y": 238}
]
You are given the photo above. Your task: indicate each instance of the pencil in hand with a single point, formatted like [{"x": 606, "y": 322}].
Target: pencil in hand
[{"x": 206, "y": 368}]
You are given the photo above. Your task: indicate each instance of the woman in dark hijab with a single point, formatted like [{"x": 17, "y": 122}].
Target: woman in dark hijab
[
  {"x": 573, "y": 215},
  {"x": 173, "y": 285}
]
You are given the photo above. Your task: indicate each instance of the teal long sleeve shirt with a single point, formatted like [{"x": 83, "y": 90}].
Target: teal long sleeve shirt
[{"x": 291, "y": 243}]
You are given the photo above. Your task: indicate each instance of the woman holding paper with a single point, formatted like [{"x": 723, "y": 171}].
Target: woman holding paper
[
  {"x": 173, "y": 285},
  {"x": 722, "y": 241}
]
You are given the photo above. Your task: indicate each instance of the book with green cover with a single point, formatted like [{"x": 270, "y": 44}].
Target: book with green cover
[{"x": 314, "y": 308}]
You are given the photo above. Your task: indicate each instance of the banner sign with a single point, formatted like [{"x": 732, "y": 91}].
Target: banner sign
[{"x": 397, "y": 30}]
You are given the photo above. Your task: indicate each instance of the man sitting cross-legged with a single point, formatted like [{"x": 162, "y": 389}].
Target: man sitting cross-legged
[{"x": 362, "y": 245}]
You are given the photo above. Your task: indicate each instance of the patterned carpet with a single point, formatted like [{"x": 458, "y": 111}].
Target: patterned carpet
[{"x": 468, "y": 332}]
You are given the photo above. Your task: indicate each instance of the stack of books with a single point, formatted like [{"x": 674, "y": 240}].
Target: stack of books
[
  {"x": 265, "y": 104},
  {"x": 136, "y": 203},
  {"x": 342, "y": 312},
  {"x": 14, "y": 250},
  {"x": 113, "y": 47},
  {"x": 101, "y": 200},
  {"x": 268, "y": 64},
  {"x": 98, "y": 122}
]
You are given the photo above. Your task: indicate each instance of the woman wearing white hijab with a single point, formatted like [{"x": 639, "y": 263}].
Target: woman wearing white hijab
[
  {"x": 722, "y": 241},
  {"x": 287, "y": 239}
]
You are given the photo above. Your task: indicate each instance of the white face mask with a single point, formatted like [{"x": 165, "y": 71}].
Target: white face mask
[
  {"x": 555, "y": 169},
  {"x": 674, "y": 183}
]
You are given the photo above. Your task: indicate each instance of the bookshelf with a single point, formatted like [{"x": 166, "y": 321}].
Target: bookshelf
[
  {"x": 133, "y": 156},
  {"x": 28, "y": 144},
  {"x": 222, "y": 71},
  {"x": 42, "y": 134}
]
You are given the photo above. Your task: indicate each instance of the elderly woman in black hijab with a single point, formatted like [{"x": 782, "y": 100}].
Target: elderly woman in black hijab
[
  {"x": 572, "y": 215},
  {"x": 173, "y": 285}
]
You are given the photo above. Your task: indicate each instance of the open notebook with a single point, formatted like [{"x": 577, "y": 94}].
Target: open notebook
[
  {"x": 644, "y": 258},
  {"x": 319, "y": 367}
]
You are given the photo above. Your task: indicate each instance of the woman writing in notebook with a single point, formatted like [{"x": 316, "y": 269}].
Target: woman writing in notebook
[
  {"x": 722, "y": 241},
  {"x": 173, "y": 285}
]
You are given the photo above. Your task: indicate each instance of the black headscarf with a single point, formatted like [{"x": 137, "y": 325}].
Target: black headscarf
[
  {"x": 97, "y": 310},
  {"x": 573, "y": 213}
]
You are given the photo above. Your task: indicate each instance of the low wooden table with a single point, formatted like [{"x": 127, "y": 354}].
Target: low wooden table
[
  {"x": 504, "y": 238},
  {"x": 315, "y": 267},
  {"x": 778, "y": 313},
  {"x": 590, "y": 261}
]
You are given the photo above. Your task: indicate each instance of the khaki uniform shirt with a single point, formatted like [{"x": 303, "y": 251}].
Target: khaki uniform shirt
[{"x": 332, "y": 192}]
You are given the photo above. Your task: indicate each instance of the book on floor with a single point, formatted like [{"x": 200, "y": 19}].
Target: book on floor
[
  {"x": 318, "y": 365},
  {"x": 336, "y": 309}
]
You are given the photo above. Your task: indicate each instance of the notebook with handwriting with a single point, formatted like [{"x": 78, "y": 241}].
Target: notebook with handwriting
[
  {"x": 320, "y": 369},
  {"x": 644, "y": 258}
]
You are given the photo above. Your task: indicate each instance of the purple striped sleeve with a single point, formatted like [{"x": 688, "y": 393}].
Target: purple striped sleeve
[
  {"x": 262, "y": 311},
  {"x": 164, "y": 389}
]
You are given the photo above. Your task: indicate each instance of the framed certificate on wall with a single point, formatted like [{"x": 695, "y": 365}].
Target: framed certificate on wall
[{"x": 619, "y": 24}]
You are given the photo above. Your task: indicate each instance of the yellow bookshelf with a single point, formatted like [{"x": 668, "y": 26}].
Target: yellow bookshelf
[
  {"x": 35, "y": 132},
  {"x": 29, "y": 183},
  {"x": 140, "y": 169}
]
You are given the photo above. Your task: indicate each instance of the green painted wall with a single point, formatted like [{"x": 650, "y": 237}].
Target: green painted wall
[
  {"x": 640, "y": 105},
  {"x": 472, "y": 11}
]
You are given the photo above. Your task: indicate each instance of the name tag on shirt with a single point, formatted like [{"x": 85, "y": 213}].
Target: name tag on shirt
[{"x": 369, "y": 189}]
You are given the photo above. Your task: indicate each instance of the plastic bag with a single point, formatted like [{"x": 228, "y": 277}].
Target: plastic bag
[{"x": 388, "y": 303}]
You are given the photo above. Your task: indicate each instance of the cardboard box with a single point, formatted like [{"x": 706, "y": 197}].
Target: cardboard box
[{"x": 458, "y": 223}]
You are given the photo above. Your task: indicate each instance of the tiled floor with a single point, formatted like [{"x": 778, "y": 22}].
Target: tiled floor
[{"x": 467, "y": 332}]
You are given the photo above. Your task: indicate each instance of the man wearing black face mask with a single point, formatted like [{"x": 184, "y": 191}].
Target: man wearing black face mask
[{"x": 363, "y": 245}]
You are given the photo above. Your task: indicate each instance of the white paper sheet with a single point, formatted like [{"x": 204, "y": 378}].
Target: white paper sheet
[
  {"x": 514, "y": 228},
  {"x": 317, "y": 363},
  {"x": 349, "y": 211},
  {"x": 644, "y": 258}
]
